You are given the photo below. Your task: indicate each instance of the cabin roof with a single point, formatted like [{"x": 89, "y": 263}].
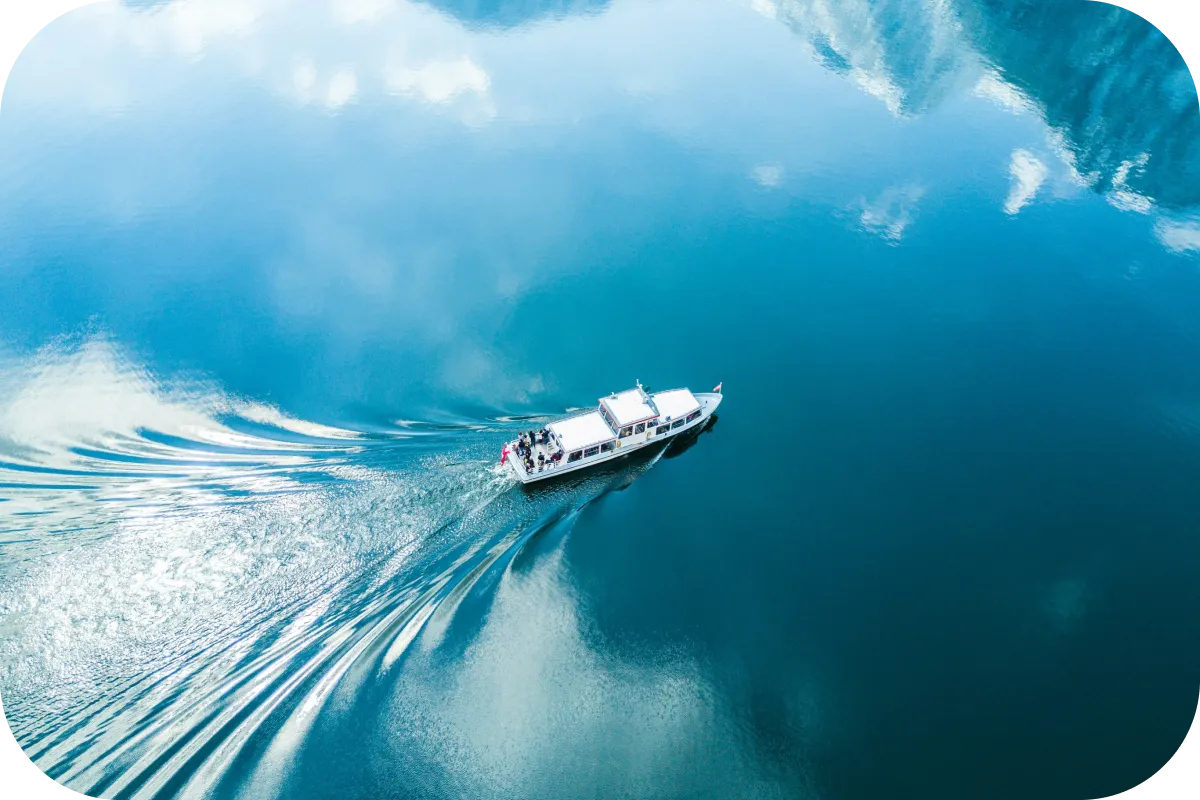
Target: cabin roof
[
  {"x": 675, "y": 403},
  {"x": 583, "y": 430},
  {"x": 627, "y": 407}
]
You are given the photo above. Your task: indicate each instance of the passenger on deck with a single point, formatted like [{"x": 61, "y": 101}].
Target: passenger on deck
[{"x": 541, "y": 462}]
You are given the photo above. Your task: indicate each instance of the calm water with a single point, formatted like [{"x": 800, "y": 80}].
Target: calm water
[{"x": 277, "y": 280}]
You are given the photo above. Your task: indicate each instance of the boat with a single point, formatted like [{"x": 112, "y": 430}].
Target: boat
[{"x": 622, "y": 423}]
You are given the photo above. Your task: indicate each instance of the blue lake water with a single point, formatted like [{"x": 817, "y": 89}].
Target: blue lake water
[{"x": 278, "y": 279}]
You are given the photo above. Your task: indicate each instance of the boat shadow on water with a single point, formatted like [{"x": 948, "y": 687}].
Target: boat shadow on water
[
  {"x": 681, "y": 444},
  {"x": 619, "y": 473}
]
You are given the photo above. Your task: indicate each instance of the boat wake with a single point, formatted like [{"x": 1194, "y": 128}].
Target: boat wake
[{"x": 193, "y": 583}]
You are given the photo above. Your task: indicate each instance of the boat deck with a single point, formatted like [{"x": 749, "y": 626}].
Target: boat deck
[{"x": 535, "y": 451}]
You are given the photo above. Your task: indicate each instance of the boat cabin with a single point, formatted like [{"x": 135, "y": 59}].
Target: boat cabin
[
  {"x": 624, "y": 418},
  {"x": 676, "y": 408},
  {"x": 583, "y": 436},
  {"x": 629, "y": 412}
]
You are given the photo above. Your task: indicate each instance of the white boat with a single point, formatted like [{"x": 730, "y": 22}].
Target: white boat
[{"x": 623, "y": 423}]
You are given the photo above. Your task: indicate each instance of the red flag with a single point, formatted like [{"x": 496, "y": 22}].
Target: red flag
[
  {"x": 503, "y": 455},
  {"x": 717, "y": 388}
]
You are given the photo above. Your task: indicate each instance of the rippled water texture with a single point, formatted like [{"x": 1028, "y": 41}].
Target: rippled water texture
[{"x": 277, "y": 279}]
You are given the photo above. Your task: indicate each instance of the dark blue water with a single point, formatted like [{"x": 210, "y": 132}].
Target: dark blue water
[{"x": 278, "y": 279}]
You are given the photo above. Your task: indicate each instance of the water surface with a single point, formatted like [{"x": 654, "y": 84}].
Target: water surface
[{"x": 278, "y": 279}]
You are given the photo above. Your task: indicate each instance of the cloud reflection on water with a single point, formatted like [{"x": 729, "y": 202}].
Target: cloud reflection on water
[
  {"x": 530, "y": 81},
  {"x": 533, "y": 699},
  {"x": 339, "y": 199}
]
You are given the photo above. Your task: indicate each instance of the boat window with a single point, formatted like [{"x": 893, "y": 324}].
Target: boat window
[
  {"x": 604, "y": 448},
  {"x": 693, "y": 415},
  {"x": 591, "y": 451},
  {"x": 677, "y": 423},
  {"x": 663, "y": 429},
  {"x": 578, "y": 454},
  {"x": 626, "y": 431},
  {"x": 639, "y": 428}
]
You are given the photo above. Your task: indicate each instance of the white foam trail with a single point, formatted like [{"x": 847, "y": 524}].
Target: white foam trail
[
  {"x": 89, "y": 395},
  {"x": 269, "y": 415}
]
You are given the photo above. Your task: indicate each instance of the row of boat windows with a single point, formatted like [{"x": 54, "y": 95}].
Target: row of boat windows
[
  {"x": 591, "y": 451},
  {"x": 641, "y": 427},
  {"x": 629, "y": 430}
]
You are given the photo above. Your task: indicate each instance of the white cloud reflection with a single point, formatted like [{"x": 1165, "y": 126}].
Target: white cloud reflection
[
  {"x": 765, "y": 7},
  {"x": 855, "y": 37},
  {"x": 322, "y": 54},
  {"x": 512, "y": 717},
  {"x": 1028, "y": 175},
  {"x": 440, "y": 81},
  {"x": 350, "y": 12},
  {"x": 332, "y": 56},
  {"x": 890, "y": 214},
  {"x": 1179, "y": 235},
  {"x": 992, "y": 86},
  {"x": 1122, "y": 196},
  {"x": 343, "y": 85},
  {"x": 768, "y": 175}
]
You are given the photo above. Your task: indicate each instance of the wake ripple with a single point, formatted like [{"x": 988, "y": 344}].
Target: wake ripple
[{"x": 193, "y": 578}]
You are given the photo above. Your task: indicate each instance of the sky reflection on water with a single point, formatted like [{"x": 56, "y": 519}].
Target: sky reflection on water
[
  {"x": 399, "y": 169},
  {"x": 278, "y": 278}
]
